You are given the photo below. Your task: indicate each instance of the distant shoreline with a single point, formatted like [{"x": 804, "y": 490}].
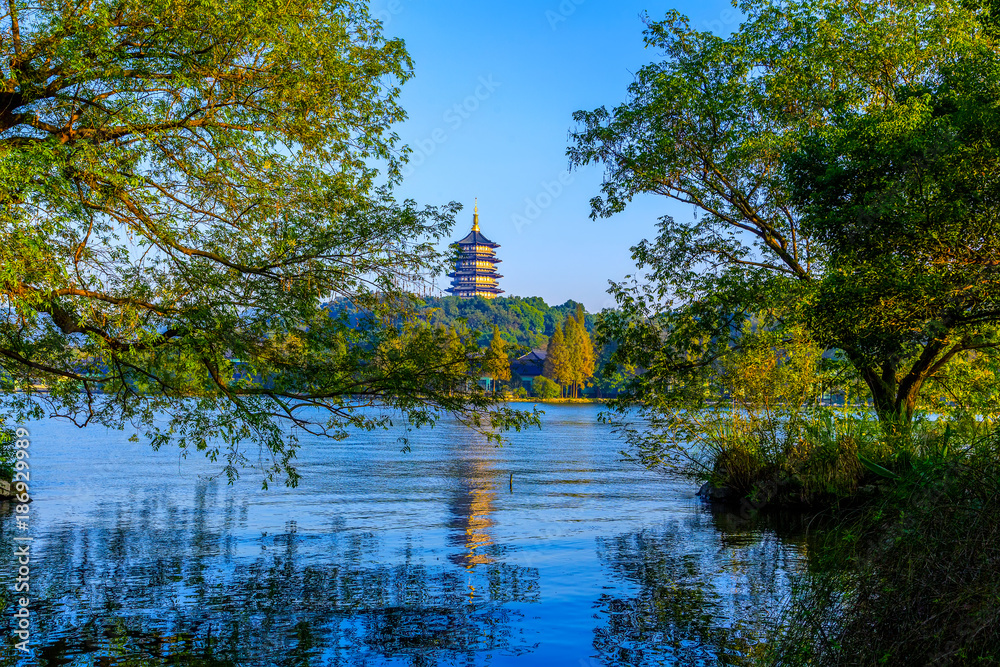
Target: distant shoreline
[{"x": 581, "y": 401}]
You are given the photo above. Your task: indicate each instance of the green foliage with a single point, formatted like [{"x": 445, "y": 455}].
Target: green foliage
[
  {"x": 910, "y": 577},
  {"x": 542, "y": 387},
  {"x": 181, "y": 185},
  {"x": 524, "y": 322},
  {"x": 7, "y": 453},
  {"x": 753, "y": 426},
  {"x": 750, "y": 130},
  {"x": 877, "y": 469},
  {"x": 897, "y": 196}
]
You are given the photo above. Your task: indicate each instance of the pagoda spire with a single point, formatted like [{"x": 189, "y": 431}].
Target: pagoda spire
[{"x": 475, "y": 217}]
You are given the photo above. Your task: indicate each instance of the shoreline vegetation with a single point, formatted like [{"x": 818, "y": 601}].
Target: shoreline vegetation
[
  {"x": 906, "y": 566},
  {"x": 558, "y": 401},
  {"x": 840, "y": 161}
]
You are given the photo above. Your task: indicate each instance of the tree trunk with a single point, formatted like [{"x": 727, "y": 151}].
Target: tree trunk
[
  {"x": 896, "y": 399},
  {"x": 883, "y": 386}
]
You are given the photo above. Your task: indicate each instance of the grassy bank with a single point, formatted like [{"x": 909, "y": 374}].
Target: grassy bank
[
  {"x": 911, "y": 576},
  {"x": 909, "y": 571}
]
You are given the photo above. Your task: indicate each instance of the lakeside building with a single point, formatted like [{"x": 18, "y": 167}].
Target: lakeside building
[
  {"x": 476, "y": 268},
  {"x": 527, "y": 367}
]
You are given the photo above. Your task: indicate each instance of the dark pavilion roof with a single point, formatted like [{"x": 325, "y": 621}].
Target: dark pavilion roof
[
  {"x": 530, "y": 365},
  {"x": 476, "y": 237}
]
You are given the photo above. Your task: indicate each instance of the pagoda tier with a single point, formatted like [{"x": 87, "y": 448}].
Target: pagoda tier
[{"x": 475, "y": 271}]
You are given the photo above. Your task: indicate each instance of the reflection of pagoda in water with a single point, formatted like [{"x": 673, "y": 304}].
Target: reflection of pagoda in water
[
  {"x": 476, "y": 271},
  {"x": 471, "y": 510}
]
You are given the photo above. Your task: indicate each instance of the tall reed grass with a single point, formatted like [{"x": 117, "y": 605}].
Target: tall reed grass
[{"x": 911, "y": 577}]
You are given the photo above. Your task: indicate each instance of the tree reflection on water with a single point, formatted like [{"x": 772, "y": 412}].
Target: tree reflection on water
[
  {"x": 130, "y": 590},
  {"x": 149, "y": 577},
  {"x": 692, "y": 605}
]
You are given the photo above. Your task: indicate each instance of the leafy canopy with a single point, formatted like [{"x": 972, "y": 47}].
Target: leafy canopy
[
  {"x": 181, "y": 182},
  {"x": 760, "y": 132},
  {"x": 906, "y": 200}
]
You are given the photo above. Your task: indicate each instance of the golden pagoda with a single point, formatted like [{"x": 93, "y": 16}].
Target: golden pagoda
[{"x": 475, "y": 270}]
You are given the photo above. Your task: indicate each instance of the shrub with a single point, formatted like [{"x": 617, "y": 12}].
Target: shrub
[
  {"x": 912, "y": 577},
  {"x": 7, "y": 454},
  {"x": 543, "y": 387},
  {"x": 755, "y": 428}
]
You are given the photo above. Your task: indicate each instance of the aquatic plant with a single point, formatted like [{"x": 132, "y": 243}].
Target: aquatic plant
[{"x": 910, "y": 577}]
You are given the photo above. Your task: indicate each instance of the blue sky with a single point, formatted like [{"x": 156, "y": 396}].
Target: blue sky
[{"x": 489, "y": 114}]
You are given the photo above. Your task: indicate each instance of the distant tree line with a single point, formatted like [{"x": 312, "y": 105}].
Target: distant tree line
[
  {"x": 522, "y": 324},
  {"x": 507, "y": 328},
  {"x": 526, "y": 323}
]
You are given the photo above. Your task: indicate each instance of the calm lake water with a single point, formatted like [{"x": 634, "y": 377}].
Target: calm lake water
[{"x": 381, "y": 557}]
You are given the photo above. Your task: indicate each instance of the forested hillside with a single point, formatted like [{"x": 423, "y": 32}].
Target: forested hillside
[{"x": 526, "y": 322}]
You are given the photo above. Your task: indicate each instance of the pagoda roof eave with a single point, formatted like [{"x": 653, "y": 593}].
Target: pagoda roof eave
[
  {"x": 480, "y": 256},
  {"x": 481, "y": 288},
  {"x": 477, "y": 238}
]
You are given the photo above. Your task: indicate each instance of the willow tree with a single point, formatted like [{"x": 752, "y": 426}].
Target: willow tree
[
  {"x": 183, "y": 183},
  {"x": 716, "y": 126}
]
